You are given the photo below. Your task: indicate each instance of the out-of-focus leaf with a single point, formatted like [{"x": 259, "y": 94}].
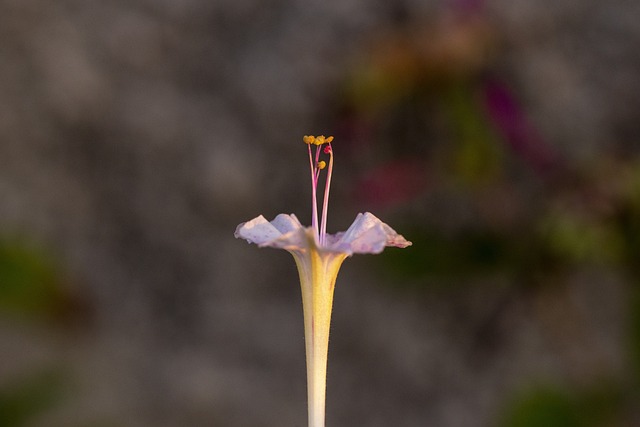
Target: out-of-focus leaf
[
  {"x": 597, "y": 406},
  {"x": 543, "y": 408},
  {"x": 27, "y": 398},
  {"x": 467, "y": 254},
  {"x": 634, "y": 334},
  {"x": 29, "y": 282},
  {"x": 478, "y": 158},
  {"x": 575, "y": 240}
]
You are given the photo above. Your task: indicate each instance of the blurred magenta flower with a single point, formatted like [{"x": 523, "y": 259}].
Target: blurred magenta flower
[
  {"x": 393, "y": 183},
  {"x": 318, "y": 256},
  {"x": 510, "y": 120}
]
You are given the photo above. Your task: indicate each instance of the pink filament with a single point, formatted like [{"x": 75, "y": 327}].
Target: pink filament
[
  {"x": 314, "y": 186},
  {"x": 325, "y": 204},
  {"x": 320, "y": 229}
]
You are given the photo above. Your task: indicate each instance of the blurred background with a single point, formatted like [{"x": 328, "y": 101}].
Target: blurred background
[{"x": 501, "y": 137}]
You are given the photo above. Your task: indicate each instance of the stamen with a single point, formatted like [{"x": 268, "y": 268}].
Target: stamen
[
  {"x": 316, "y": 166},
  {"x": 325, "y": 205},
  {"x": 317, "y": 155},
  {"x": 314, "y": 185}
]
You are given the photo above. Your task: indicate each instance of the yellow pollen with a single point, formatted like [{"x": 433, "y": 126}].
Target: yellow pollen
[
  {"x": 317, "y": 140},
  {"x": 322, "y": 164}
]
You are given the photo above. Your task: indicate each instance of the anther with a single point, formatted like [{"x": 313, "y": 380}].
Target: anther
[
  {"x": 321, "y": 164},
  {"x": 309, "y": 139},
  {"x": 319, "y": 140}
]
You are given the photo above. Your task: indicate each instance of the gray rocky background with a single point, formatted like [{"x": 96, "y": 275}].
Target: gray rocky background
[{"x": 134, "y": 137}]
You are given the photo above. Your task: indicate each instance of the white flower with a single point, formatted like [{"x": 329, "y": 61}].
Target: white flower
[
  {"x": 367, "y": 235},
  {"x": 318, "y": 256}
]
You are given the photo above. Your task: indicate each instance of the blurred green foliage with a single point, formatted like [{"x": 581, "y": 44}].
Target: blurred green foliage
[
  {"x": 27, "y": 397},
  {"x": 476, "y": 158},
  {"x": 33, "y": 291},
  {"x": 450, "y": 258},
  {"x": 549, "y": 406},
  {"x": 30, "y": 284},
  {"x": 544, "y": 408}
]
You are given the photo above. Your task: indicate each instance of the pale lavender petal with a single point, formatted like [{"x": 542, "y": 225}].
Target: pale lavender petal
[
  {"x": 257, "y": 231},
  {"x": 394, "y": 239},
  {"x": 368, "y": 234},
  {"x": 291, "y": 241},
  {"x": 286, "y": 223},
  {"x": 284, "y": 232},
  {"x": 369, "y": 241}
]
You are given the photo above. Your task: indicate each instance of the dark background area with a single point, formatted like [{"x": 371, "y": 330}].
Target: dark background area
[{"x": 501, "y": 137}]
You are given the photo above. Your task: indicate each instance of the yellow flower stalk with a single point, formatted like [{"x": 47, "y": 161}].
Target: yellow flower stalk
[{"x": 318, "y": 256}]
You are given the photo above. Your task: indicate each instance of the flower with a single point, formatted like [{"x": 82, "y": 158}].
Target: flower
[
  {"x": 367, "y": 235},
  {"x": 318, "y": 256}
]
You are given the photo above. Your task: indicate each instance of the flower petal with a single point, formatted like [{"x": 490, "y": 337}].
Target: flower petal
[
  {"x": 286, "y": 223},
  {"x": 257, "y": 231},
  {"x": 368, "y": 234},
  {"x": 284, "y": 232}
]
